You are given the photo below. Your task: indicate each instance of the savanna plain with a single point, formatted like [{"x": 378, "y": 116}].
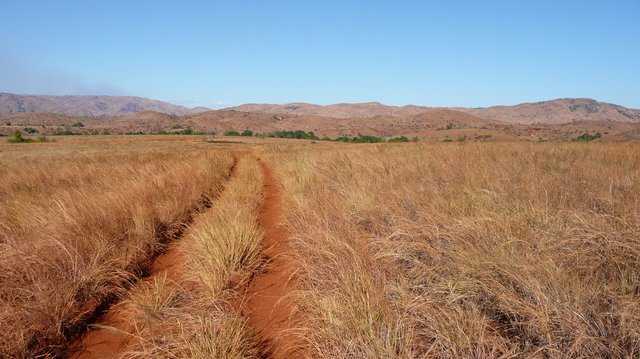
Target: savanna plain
[{"x": 193, "y": 247}]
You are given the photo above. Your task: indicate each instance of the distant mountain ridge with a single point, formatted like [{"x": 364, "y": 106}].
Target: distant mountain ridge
[
  {"x": 91, "y": 106},
  {"x": 556, "y": 111}
]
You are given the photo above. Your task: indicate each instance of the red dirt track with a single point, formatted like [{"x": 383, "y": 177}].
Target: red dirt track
[
  {"x": 109, "y": 336},
  {"x": 268, "y": 304}
]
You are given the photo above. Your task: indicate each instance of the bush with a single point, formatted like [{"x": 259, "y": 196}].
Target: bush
[
  {"x": 232, "y": 133},
  {"x": 78, "y": 124},
  {"x": 65, "y": 132},
  {"x": 585, "y": 137},
  {"x": 17, "y": 138},
  {"x": 30, "y": 130},
  {"x": 360, "y": 139},
  {"x": 399, "y": 139},
  {"x": 300, "y": 135},
  {"x": 247, "y": 133},
  {"x": 188, "y": 131}
]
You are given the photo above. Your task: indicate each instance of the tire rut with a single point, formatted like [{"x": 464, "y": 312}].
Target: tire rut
[
  {"x": 267, "y": 303},
  {"x": 105, "y": 332}
]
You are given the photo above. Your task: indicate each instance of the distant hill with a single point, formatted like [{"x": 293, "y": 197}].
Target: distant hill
[
  {"x": 547, "y": 112},
  {"x": 555, "y": 119},
  {"x": 431, "y": 124},
  {"x": 92, "y": 106},
  {"x": 557, "y": 112},
  {"x": 430, "y": 119}
]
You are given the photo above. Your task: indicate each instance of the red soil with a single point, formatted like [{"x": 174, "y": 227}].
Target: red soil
[
  {"x": 112, "y": 333},
  {"x": 268, "y": 304}
]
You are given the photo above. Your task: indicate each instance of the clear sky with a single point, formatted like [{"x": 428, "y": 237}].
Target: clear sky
[{"x": 219, "y": 53}]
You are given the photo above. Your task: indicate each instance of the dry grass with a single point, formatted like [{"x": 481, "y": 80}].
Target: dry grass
[
  {"x": 474, "y": 250},
  {"x": 78, "y": 221},
  {"x": 196, "y": 315},
  {"x": 409, "y": 250}
]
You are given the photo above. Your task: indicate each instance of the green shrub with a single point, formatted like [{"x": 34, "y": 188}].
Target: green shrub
[
  {"x": 360, "y": 139},
  {"x": 586, "y": 137},
  {"x": 300, "y": 135},
  {"x": 17, "y": 138},
  {"x": 232, "y": 133},
  {"x": 247, "y": 133},
  {"x": 30, "y": 130}
]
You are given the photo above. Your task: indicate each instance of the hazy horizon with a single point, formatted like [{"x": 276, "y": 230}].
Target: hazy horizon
[{"x": 218, "y": 54}]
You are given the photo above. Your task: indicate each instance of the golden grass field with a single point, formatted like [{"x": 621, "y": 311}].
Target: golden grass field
[{"x": 151, "y": 247}]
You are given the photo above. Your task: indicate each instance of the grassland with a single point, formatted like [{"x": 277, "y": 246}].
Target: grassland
[
  {"x": 477, "y": 250},
  {"x": 406, "y": 250},
  {"x": 80, "y": 221}
]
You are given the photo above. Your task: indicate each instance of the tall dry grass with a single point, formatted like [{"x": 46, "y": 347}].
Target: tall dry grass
[
  {"x": 467, "y": 250},
  {"x": 196, "y": 314},
  {"x": 78, "y": 222}
]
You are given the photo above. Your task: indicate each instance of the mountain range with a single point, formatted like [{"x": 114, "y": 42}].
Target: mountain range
[
  {"x": 545, "y": 112},
  {"x": 556, "y": 111}
]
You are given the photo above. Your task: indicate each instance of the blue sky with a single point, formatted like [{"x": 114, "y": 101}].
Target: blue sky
[{"x": 219, "y": 53}]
